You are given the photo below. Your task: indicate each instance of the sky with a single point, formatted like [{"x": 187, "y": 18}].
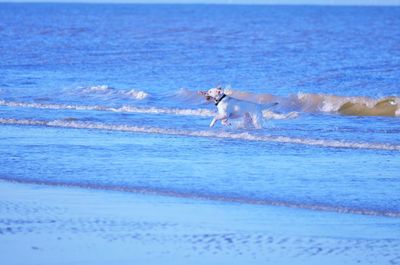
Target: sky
[{"x": 316, "y": 2}]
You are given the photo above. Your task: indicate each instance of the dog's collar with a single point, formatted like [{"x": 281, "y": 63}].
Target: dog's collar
[{"x": 217, "y": 101}]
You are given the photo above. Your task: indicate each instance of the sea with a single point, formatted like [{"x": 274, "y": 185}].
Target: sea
[{"x": 106, "y": 96}]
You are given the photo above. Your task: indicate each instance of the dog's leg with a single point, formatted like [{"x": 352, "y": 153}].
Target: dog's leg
[
  {"x": 225, "y": 122},
  {"x": 247, "y": 119},
  {"x": 216, "y": 118},
  {"x": 256, "y": 121},
  {"x": 213, "y": 121}
]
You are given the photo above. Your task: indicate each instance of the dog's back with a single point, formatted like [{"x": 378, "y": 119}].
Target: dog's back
[{"x": 236, "y": 108}]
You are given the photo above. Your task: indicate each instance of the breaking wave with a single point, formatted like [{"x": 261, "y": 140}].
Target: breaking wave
[
  {"x": 357, "y": 106},
  {"x": 110, "y": 91},
  {"x": 289, "y": 106},
  {"x": 127, "y": 109},
  {"x": 246, "y": 136},
  {"x": 307, "y": 102},
  {"x": 132, "y": 109}
]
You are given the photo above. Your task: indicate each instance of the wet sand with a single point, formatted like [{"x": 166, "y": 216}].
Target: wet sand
[{"x": 42, "y": 224}]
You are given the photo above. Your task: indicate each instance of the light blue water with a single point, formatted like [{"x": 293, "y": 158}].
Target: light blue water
[{"x": 104, "y": 96}]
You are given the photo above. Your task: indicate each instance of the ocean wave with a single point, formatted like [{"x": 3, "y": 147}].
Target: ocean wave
[
  {"x": 270, "y": 115},
  {"x": 308, "y": 102},
  {"x": 267, "y": 114},
  {"x": 356, "y": 106},
  {"x": 314, "y": 103},
  {"x": 111, "y": 91},
  {"x": 137, "y": 94},
  {"x": 204, "y": 196},
  {"x": 290, "y": 106},
  {"x": 245, "y": 136},
  {"x": 127, "y": 109},
  {"x": 99, "y": 88}
]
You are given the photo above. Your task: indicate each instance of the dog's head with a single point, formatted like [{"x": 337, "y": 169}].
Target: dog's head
[{"x": 214, "y": 93}]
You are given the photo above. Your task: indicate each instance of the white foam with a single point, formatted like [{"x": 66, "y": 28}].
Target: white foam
[
  {"x": 269, "y": 115},
  {"x": 176, "y": 111},
  {"x": 137, "y": 94},
  {"x": 330, "y": 105},
  {"x": 110, "y": 91},
  {"x": 209, "y": 134},
  {"x": 128, "y": 109},
  {"x": 99, "y": 88},
  {"x": 320, "y": 102},
  {"x": 132, "y": 109}
]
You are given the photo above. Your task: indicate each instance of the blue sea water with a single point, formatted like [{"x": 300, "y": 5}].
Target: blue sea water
[{"x": 105, "y": 96}]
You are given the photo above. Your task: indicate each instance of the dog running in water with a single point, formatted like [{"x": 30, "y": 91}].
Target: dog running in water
[{"x": 232, "y": 108}]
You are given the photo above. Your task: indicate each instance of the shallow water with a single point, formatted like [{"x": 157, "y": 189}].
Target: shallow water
[
  {"x": 46, "y": 224},
  {"x": 105, "y": 96}
]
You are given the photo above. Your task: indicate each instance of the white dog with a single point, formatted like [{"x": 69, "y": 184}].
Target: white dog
[{"x": 232, "y": 108}]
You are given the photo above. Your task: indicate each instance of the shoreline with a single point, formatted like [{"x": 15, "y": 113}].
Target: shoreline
[
  {"x": 212, "y": 198},
  {"x": 64, "y": 225}
]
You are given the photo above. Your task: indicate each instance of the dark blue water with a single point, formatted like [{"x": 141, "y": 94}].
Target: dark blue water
[{"x": 106, "y": 96}]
